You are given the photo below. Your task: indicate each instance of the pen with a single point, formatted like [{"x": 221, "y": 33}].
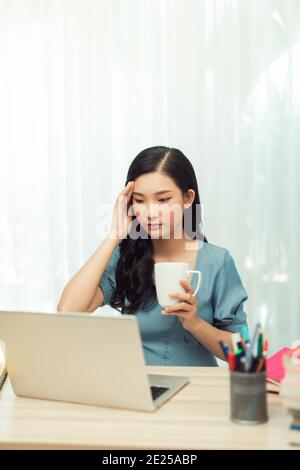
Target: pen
[
  {"x": 231, "y": 360},
  {"x": 260, "y": 364},
  {"x": 253, "y": 341},
  {"x": 260, "y": 343},
  {"x": 225, "y": 348},
  {"x": 254, "y": 363},
  {"x": 266, "y": 346},
  {"x": 242, "y": 364},
  {"x": 248, "y": 354},
  {"x": 236, "y": 338},
  {"x": 245, "y": 333},
  {"x": 248, "y": 357},
  {"x": 239, "y": 355},
  {"x": 239, "y": 352}
]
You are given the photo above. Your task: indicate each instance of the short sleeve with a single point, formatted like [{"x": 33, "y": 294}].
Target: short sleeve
[
  {"x": 229, "y": 297},
  {"x": 107, "y": 282}
]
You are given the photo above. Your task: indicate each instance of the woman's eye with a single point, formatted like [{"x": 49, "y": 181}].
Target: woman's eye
[
  {"x": 138, "y": 201},
  {"x": 164, "y": 200}
]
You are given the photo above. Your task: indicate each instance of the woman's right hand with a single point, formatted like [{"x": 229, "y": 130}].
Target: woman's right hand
[{"x": 121, "y": 221}]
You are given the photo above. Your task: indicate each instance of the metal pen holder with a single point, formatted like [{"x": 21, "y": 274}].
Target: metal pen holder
[{"x": 248, "y": 397}]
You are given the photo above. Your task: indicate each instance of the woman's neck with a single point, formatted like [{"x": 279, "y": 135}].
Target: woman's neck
[{"x": 173, "y": 247}]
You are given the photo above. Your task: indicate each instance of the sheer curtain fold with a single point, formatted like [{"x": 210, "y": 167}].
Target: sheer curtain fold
[{"x": 85, "y": 85}]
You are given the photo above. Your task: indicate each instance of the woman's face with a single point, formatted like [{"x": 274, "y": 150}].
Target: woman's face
[{"x": 158, "y": 204}]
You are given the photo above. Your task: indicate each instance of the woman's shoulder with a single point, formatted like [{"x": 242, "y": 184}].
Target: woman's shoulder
[
  {"x": 215, "y": 250},
  {"x": 116, "y": 252},
  {"x": 215, "y": 254},
  {"x": 114, "y": 258}
]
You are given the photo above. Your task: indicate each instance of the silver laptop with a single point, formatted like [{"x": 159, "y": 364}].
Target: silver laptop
[{"x": 82, "y": 358}]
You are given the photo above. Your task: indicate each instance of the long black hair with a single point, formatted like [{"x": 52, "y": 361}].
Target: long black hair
[{"x": 135, "y": 286}]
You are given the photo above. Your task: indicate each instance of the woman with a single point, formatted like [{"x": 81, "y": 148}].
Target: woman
[{"x": 148, "y": 226}]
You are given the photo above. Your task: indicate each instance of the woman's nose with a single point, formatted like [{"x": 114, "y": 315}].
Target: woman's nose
[{"x": 153, "y": 212}]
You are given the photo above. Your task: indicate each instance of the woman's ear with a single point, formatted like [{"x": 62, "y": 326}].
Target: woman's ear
[{"x": 189, "y": 198}]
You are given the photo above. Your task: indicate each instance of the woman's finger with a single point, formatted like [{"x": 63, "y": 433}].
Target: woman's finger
[
  {"x": 188, "y": 287},
  {"x": 183, "y": 296},
  {"x": 180, "y": 313},
  {"x": 180, "y": 306},
  {"x": 128, "y": 188}
]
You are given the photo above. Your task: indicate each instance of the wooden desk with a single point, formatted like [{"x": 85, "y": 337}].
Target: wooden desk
[{"x": 197, "y": 417}]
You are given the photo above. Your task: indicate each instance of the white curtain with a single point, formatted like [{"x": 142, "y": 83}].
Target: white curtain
[{"x": 86, "y": 84}]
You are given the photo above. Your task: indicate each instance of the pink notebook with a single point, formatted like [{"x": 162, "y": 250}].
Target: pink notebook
[{"x": 275, "y": 369}]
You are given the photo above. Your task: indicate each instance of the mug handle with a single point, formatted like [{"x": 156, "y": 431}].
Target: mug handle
[{"x": 199, "y": 280}]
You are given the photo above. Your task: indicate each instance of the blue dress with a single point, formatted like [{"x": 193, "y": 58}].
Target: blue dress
[{"x": 220, "y": 302}]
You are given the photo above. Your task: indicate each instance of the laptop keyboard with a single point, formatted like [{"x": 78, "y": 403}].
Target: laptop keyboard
[{"x": 157, "y": 391}]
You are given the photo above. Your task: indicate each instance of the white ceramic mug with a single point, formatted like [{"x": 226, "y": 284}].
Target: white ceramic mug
[{"x": 167, "y": 277}]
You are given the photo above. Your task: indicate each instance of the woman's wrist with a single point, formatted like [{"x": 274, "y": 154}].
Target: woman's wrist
[
  {"x": 194, "y": 324},
  {"x": 112, "y": 239}
]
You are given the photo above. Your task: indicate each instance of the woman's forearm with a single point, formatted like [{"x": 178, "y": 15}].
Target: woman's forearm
[
  {"x": 210, "y": 336},
  {"x": 78, "y": 293}
]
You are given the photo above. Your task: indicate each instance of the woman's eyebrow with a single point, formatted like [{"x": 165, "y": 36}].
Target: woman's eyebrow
[{"x": 158, "y": 192}]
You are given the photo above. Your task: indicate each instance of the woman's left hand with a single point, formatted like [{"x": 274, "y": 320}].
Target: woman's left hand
[{"x": 186, "y": 309}]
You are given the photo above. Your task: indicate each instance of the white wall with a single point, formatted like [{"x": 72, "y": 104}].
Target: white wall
[{"x": 86, "y": 85}]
